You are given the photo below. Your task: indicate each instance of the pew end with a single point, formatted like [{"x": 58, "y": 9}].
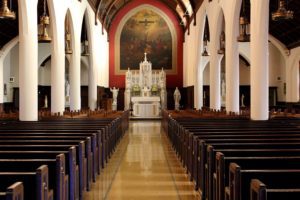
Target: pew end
[
  {"x": 257, "y": 190},
  {"x": 14, "y": 192}
]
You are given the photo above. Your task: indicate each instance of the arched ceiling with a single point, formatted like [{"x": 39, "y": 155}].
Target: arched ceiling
[
  {"x": 107, "y": 9},
  {"x": 288, "y": 32}
]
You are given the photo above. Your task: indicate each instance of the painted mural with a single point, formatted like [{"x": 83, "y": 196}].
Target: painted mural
[{"x": 146, "y": 31}]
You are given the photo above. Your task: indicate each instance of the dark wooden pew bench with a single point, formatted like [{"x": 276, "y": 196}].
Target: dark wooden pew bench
[
  {"x": 260, "y": 191},
  {"x": 13, "y": 192},
  {"x": 240, "y": 180},
  {"x": 35, "y": 182},
  {"x": 222, "y": 176},
  {"x": 84, "y": 182}
]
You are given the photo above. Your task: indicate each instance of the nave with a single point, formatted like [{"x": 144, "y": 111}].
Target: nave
[{"x": 144, "y": 166}]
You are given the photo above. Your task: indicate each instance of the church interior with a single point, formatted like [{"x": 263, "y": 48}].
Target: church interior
[{"x": 149, "y": 99}]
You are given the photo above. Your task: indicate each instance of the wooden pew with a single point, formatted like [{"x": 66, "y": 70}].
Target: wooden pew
[
  {"x": 80, "y": 148},
  {"x": 89, "y": 154},
  {"x": 84, "y": 163},
  {"x": 13, "y": 192},
  {"x": 240, "y": 180},
  {"x": 206, "y": 156},
  {"x": 69, "y": 172},
  {"x": 260, "y": 191},
  {"x": 108, "y": 134},
  {"x": 263, "y": 162},
  {"x": 35, "y": 182}
]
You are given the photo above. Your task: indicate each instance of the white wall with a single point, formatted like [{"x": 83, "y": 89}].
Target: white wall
[
  {"x": 244, "y": 74},
  {"x": 206, "y": 75}
]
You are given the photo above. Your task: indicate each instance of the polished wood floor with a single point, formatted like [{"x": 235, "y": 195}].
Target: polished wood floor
[{"x": 143, "y": 167}]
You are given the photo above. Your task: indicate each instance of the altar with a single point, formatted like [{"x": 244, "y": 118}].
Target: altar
[
  {"x": 145, "y": 93},
  {"x": 146, "y": 107}
]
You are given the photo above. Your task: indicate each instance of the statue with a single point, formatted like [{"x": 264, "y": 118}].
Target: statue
[
  {"x": 115, "y": 92},
  {"x": 46, "y": 102},
  {"x": 67, "y": 92},
  {"x": 242, "y": 100},
  {"x": 223, "y": 88},
  {"x": 177, "y": 97}
]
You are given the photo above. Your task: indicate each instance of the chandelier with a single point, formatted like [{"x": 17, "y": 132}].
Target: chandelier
[
  {"x": 222, "y": 43},
  {"x": 282, "y": 13},
  {"x": 44, "y": 23},
  {"x": 244, "y": 24},
  {"x": 68, "y": 48},
  {"x": 5, "y": 12}
]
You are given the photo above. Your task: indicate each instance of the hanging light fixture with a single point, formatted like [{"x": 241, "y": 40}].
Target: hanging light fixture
[
  {"x": 282, "y": 13},
  {"x": 44, "y": 23},
  {"x": 85, "y": 45},
  {"x": 5, "y": 12},
  {"x": 244, "y": 23},
  {"x": 68, "y": 49},
  {"x": 222, "y": 43},
  {"x": 205, "y": 53}
]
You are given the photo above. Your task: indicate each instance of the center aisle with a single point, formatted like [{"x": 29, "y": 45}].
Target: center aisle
[{"x": 144, "y": 166}]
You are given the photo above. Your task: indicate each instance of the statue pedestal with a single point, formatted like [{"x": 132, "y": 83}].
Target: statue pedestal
[{"x": 145, "y": 107}]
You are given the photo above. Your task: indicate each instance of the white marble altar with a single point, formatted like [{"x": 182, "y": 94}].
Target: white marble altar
[
  {"x": 145, "y": 91},
  {"x": 146, "y": 107}
]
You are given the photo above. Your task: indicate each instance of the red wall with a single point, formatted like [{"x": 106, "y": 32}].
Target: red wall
[{"x": 119, "y": 80}]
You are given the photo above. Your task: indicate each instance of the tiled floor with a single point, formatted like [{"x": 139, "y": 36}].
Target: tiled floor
[{"x": 143, "y": 167}]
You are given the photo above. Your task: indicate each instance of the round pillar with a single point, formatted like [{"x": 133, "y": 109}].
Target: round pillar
[
  {"x": 259, "y": 59},
  {"x": 28, "y": 61}
]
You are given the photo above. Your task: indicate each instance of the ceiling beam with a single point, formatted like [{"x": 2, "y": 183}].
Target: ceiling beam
[
  {"x": 194, "y": 11},
  {"x": 184, "y": 9}
]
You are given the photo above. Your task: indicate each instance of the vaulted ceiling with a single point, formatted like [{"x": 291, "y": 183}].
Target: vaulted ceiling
[{"x": 288, "y": 32}]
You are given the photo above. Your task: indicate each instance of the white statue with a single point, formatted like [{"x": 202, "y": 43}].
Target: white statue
[
  {"x": 177, "y": 97},
  {"x": 115, "y": 92},
  {"x": 223, "y": 88},
  {"x": 67, "y": 89},
  {"x": 242, "y": 100},
  {"x": 46, "y": 102}
]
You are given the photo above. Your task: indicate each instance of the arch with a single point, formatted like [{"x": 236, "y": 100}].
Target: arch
[
  {"x": 293, "y": 77},
  {"x": 8, "y": 47},
  {"x": 280, "y": 46},
  {"x": 71, "y": 28},
  {"x": 220, "y": 24}
]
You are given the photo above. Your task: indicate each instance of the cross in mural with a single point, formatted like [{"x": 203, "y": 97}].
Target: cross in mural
[{"x": 146, "y": 22}]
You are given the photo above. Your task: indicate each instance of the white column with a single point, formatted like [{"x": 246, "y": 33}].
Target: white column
[
  {"x": 92, "y": 86},
  {"x": 215, "y": 77},
  {"x": 198, "y": 97},
  {"x": 1, "y": 82},
  {"x": 28, "y": 60},
  {"x": 58, "y": 64},
  {"x": 75, "y": 83},
  {"x": 232, "y": 67},
  {"x": 93, "y": 60},
  {"x": 259, "y": 59}
]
